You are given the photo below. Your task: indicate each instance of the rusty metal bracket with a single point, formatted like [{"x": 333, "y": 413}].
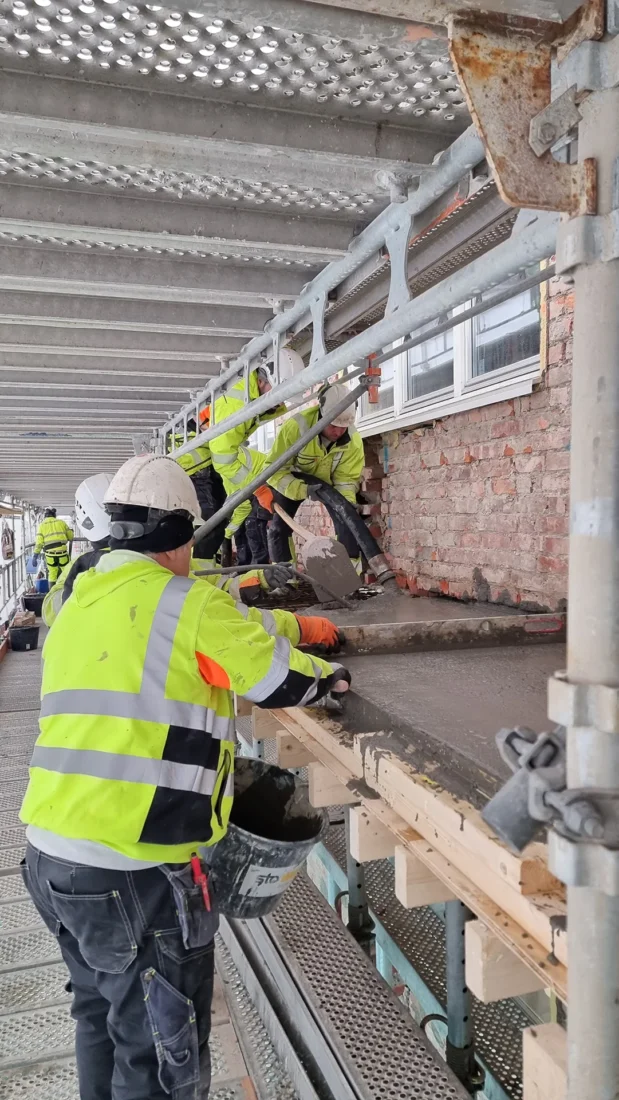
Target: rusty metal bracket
[{"x": 506, "y": 75}]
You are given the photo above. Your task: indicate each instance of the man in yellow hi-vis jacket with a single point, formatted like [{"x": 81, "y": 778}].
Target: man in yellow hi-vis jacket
[
  {"x": 238, "y": 464},
  {"x": 131, "y": 777},
  {"x": 53, "y": 537}
]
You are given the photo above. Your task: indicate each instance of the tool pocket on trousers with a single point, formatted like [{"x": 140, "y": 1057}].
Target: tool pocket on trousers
[
  {"x": 172, "y": 1020},
  {"x": 100, "y": 924},
  {"x": 198, "y": 924}
]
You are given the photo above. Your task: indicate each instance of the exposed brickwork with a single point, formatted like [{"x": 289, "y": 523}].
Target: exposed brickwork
[{"x": 476, "y": 506}]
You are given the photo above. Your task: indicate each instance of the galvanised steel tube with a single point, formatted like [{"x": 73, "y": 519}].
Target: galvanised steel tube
[
  {"x": 593, "y": 623},
  {"x": 534, "y": 243},
  {"x": 244, "y": 494},
  {"x": 465, "y": 152}
]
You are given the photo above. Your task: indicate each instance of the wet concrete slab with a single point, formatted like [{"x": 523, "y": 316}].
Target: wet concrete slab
[
  {"x": 455, "y": 702},
  {"x": 394, "y": 608}
]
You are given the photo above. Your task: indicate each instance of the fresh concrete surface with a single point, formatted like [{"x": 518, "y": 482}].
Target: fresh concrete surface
[
  {"x": 394, "y": 608},
  {"x": 461, "y": 698}
]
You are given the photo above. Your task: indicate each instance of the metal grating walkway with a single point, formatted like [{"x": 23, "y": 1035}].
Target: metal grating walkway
[{"x": 36, "y": 1029}]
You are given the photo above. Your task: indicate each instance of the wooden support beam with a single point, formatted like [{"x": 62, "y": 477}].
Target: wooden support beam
[
  {"x": 493, "y": 971},
  {"x": 326, "y": 790},
  {"x": 264, "y": 724},
  {"x": 290, "y": 753},
  {"x": 242, "y": 707},
  {"x": 369, "y": 838},
  {"x": 528, "y": 925},
  {"x": 415, "y": 884},
  {"x": 544, "y": 1063}
]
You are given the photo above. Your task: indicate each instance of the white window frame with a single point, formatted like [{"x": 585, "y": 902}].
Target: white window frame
[{"x": 467, "y": 392}]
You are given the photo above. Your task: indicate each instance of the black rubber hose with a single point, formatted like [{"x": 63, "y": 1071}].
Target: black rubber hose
[{"x": 346, "y": 513}]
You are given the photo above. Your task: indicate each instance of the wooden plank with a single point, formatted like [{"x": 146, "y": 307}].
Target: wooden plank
[
  {"x": 474, "y": 851},
  {"x": 526, "y": 924},
  {"x": 415, "y": 883},
  {"x": 493, "y": 971},
  {"x": 465, "y": 633},
  {"x": 326, "y": 790},
  {"x": 453, "y": 817},
  {"x": 290, "y": 753},
  {"x": 369, "y": 838},
  {"x": 544, "y": 1063}
]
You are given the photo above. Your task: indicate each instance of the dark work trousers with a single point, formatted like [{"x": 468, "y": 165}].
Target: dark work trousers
[
  {"x": 141, "y": 1000},
  {"x": 211, "y": 497},
  {"x": 241, "y": 545},
  {"x": 280, "y": 536},
  {"x": 256, "y": 528}
]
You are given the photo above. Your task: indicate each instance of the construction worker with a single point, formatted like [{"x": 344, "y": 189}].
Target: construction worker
[
  {"x": 93, "y": 522},
  {"x": 53, "y": 537},
  {"x": 131, "y": 778},
  {"x": 206, "y": 481},
  {"x": 238, "y": 464},
  {"x": 335, "y": 456}
]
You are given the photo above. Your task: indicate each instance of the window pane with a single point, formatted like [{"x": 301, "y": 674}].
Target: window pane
[
  {"x": 431, "y": 364},
  {"x": 507, "y": 333},
  {"x": 385, "y": 391}
]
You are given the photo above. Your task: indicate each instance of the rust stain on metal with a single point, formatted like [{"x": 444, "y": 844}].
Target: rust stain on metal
[
  {"x": 505, "y": 73},
  {"x": 586, "y": 25}
]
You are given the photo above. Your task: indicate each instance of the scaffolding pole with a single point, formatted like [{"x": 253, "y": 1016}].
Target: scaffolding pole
[{"x": 589, "y": 699}]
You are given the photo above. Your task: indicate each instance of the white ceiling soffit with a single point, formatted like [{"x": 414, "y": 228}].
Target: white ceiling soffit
[{"x": 170, "y": 176}]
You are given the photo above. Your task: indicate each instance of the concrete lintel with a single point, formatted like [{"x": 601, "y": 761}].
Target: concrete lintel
[{"x": 463, "y": 633}]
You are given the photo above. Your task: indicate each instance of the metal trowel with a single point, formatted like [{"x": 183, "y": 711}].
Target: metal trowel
[{"x": 326, "y": 560}]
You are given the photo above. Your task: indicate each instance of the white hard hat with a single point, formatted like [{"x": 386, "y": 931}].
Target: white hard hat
[
  {"x": 151, "y": 481},
  {"x": 92, "y": 518},
  {"x": 290, "y": 363},
  {"x": 331, "y": 397}
]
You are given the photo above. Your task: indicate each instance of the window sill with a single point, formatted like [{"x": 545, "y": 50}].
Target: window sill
[{"x": 474, "y": 398}]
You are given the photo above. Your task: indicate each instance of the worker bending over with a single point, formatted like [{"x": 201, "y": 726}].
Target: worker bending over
[
  {"x": 132, "y": 775},
  {"x": 335, "y": 456},
  {"x": 238, "y": 464},
  {"x": 53, "y": 537},
  {"x": 94, "y": 524}
]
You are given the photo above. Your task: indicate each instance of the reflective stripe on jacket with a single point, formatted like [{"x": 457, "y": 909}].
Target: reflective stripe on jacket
[
  {"x": 53, "y": 534},
  {"x": 339, "y": 464},
  {"x": 198, "y": 459},
  {"x": 136, "y": 739},
  {"x": 277, "y": 621}
]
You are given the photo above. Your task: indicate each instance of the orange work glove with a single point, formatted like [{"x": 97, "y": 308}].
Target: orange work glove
[
  {"x": 318, "y": 631},
  {"x": 265, "y": 496}
]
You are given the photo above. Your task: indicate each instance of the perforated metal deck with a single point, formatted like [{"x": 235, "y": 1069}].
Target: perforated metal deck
[{"x": 36, "y": 1029}]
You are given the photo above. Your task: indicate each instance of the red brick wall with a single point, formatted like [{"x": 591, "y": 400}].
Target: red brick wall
[{"x": 475, "y": 506}]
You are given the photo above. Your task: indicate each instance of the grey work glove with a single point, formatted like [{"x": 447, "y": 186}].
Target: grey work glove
[{"x": 276, "y": 576}]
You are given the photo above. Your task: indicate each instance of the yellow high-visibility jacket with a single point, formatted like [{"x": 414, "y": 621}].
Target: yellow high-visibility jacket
[
  {"x": 339, "y": 464},
  {"x": 53, "y": 535},
  {"x": 136, "y": 744}
]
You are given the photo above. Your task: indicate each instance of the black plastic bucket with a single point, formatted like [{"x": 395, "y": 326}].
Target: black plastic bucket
[
  {"x": 24, "y": 637},
  {"x": 272, "y": 830},
  {"x": 34, "y": 602}
]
